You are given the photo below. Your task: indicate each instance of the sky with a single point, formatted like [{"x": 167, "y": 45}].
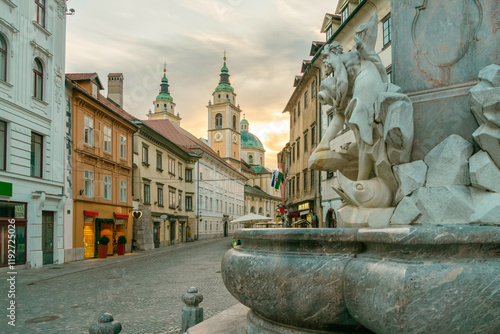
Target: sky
[{"x": 265, "y": 41}]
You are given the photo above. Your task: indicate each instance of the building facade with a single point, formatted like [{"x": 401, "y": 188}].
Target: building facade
[
  {"x": 32, "y": 130},
  {"x": 101, "y": 166}
]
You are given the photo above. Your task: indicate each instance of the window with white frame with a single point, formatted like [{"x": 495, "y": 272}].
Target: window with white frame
[
  {"x": 107, "y": 139},
  {"x": 189, "y": 203},
  {"x": 179, "y": 200},
  {"x": 107, "y": 191},
  {"x": 386, "y": 26},
  {"x": 3, "y": 145},
  {"x": 171, "y": 165},
  {"x": 171, "y": 198},
  {"x": 40, "y": 12},
  {"x": 36, "y": 161},
  {"x": 123, "y": 147},
  {"x": 145, "y": 155},
  {"x": 88, "y": 129},
  {"x": 344, "y": 13},
  {"x": 123, "y": 191},
  {"x": 147, "y": 193},
  {"x": 38, "y": 79},
  {"x": 180, "y": 170},
  {"x": 159, "y": 164},
  {"x": 88, "y": 183},
  {"x": 160, "y": 195},
  {"x": 3, "y": 58}
]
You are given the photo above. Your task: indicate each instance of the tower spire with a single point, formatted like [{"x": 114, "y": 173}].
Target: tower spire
[{"x": 224, "y": 84}]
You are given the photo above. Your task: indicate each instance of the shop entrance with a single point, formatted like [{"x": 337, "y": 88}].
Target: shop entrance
[
  {"x": 48, "y": 237},
  {"x": 225, "y": 228},
  {"x": 172, "y": 233},
  {"x": 156, "y": 234},
  {"x": 89, "y": 238},
  {"x": 107, "y": 230}
]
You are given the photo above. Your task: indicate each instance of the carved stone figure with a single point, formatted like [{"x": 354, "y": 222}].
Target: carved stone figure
[{"x": 380, "y": 117}]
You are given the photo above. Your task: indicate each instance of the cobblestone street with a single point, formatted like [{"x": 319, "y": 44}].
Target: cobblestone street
[{"x": 143, "y": 290}]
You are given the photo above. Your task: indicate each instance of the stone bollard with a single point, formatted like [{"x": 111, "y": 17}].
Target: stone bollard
[
  {"x": 192, "y": 314},
  {"x": 106, "y": 325}
]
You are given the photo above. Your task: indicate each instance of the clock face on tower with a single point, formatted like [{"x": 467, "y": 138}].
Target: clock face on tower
[
  {"x": 218, "y": 136},
  {"x": 235, "y": 138}
]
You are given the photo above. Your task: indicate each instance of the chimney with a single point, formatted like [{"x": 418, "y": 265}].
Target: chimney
[{"x": 115, "y": 88}]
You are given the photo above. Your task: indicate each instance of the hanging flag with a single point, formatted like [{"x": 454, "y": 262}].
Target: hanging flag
[
  {"x": 274, "y": 178},
  {"x": 278, "y": 179}
]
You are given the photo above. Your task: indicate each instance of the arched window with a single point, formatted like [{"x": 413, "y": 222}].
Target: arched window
[
  {"x": 250, "y": 159},
  {"x": 38, "y": 80},
  {"x": 165, "y": 106},
  {"x": 234, "y": 122},
  {"x": 3, "y": 59},
  {"x": 218, "y": 121},
  {"x": 252, "y": 209},
  {"x": 260, "y": 211}
]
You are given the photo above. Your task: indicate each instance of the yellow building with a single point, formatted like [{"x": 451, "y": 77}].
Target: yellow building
[{"x": 102, "y": 165}]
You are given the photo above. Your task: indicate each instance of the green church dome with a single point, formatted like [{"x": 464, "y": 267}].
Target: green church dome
[
  {"x": 250, "y": 140},
  {"x": 244, "y": 121},
  {"x": 164, "y": 91}
]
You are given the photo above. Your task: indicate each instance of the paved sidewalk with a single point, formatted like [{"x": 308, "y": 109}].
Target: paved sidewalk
[{"x": 142, "y": 290}]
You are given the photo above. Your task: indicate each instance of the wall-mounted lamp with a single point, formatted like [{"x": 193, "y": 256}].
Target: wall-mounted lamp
[
  {"x": 81, "y": 192},
  {"x": 156, "y": 203}
]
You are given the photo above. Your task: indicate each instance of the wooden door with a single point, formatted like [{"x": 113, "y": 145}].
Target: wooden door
[
  {"x": 107, "y": 230},
  {"x": 89, "y": 239}
]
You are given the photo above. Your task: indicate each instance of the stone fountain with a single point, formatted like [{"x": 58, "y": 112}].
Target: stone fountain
[{"x": 418, "y": 244}]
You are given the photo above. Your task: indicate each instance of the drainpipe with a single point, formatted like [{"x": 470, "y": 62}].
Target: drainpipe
[{"x": 197, "y": 173}]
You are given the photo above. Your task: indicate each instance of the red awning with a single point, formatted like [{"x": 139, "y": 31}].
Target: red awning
[
  {"x": 293, "y": 214},
  {"x": 121, "y": 215},
  {"x": 90, "y": 213}
]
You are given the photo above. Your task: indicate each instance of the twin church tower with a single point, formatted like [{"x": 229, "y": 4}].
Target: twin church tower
[{"x": 228, "y": 134}]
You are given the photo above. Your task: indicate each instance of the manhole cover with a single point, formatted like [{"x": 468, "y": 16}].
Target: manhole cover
[
  {"x": 42, "y": 319},
  {"x": 115, "y": 277}
]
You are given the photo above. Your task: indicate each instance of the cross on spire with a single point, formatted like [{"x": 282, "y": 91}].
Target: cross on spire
[
  {"x": 224, "y": 55},
  {"x": 164, "y": 67}
]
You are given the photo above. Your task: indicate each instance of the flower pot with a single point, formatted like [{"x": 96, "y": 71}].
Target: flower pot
[
  {"x": 292, "y": 278},
  {"x": 102, "y": 251},
  {"x": 120, "y": 248}
]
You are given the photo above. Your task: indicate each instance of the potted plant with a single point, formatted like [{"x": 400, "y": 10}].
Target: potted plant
[
  {"x": 120, "y": 247},
  {"x": 102, "y": 249}
]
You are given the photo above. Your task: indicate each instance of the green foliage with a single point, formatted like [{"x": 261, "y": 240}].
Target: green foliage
[
  {"x": 122, "y": 239},
  {"x": 104, "y": 240}
]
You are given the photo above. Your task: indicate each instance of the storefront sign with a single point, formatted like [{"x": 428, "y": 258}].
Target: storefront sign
[
  {"x": 305, "y": 212},
  {"x": 90, "y": 213},
  {"x": 121, "y": 215},
  {"x": 304, "y": 206}
]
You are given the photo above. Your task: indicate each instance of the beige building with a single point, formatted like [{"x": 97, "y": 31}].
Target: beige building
[{"x": 164, "y": 187}]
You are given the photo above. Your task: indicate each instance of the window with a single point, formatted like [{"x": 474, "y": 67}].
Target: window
[
  {"x": 145, "y": 155},
  {"x": 211, "y": 201},
  {"x": 123, "y": 191},
  {"x": 171, "y": 198},
  {"x": 344, "y": 13},
  {"x": 36, "y": 155},
  {"x": 298, "y": 183},
  {"x": 171, "y": 166},
  {"x": 40, "y": 12},
  {"x": 218, "y": 121},
  {"x": 294, "y": 115},
  {"x": 313, "y": 136},
  {"x": 189, "y": 203},
  {"x": 3, "y": 144},
  {"x": 180, "y": 170},
  {"x": 386, "y": 26},
  {"x": 250, "y": 159},
  {"x": 305, "y": 180},
  {"x": 389, "y": 73},
  {"x": 329, "y": 175},
  {"x": 159, "y": 161},
  {"x": 293, "y": 186},
  {"x": 94, "y": 89},
  {"x": 107, "y": 139},
  {"x": 38, "y": 80},
  {"x": 312, "y": 178},
  {"x": 306, "y": 100},
  {"x": 293, "y": 153},
  {"x": 313, "y": 89},
  {"x": 298, "y": 149},
  {"x": 107, "y": 191},
  {"x": 147, "y": 193},
  {"x": 298, "y": 109},
  {"x": 234, "y": 122},
  {"x": 3, "y": 58},
  {"x": 123, "y": 147},
  {"x": 88, "y": 128},
  {"x": 216, "y": 205},
  {"x": 179, "y": 201},
  {"x": 328, "y": 32},
  {"x": 160, "y": 195},
  {"x": 88, "y": 183},
  {"x": 206, "y": 202},
  {"x": 305, "y": 142},
  {"x": 189, "y": 175}
]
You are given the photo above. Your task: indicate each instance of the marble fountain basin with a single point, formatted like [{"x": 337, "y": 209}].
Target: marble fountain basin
[{"x": 401, "y": 279}]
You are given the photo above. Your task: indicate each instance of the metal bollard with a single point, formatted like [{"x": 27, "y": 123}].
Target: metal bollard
[
  {"x": 106, "y": 324},
  {"x": 192, "y": 314}
]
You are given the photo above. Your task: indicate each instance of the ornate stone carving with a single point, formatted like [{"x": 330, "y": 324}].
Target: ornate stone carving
[{"x": 380, "y": 117}]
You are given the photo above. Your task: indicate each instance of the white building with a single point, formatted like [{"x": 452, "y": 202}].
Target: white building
[{"x": 32, "y": 130}]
